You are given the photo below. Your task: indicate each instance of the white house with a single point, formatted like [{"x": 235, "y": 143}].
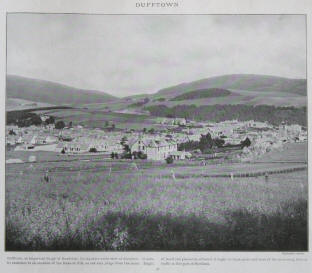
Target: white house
[
  {"x": 180, "y": 121},
  {"x": 154, "y": 149}
]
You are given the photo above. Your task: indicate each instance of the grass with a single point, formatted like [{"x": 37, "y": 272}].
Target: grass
[
  {"x": 93, "y": 210},
  {"x": 292, "y": 152},
  {"x": 285, "y": 230},
  {"x": 95, "y": 118}
]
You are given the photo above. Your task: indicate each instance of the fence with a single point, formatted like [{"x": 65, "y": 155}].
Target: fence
[{"x": 250, "y": 174}]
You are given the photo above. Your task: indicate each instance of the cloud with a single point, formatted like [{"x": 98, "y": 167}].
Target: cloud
[{"x": 130, "y": 54}]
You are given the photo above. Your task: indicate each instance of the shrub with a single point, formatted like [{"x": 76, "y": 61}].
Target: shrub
[
  {"x": 169, "y": 160},
  {"x": 60, "y": 125},
  {"x": 126, "y": 155},
  {"x": 141, "y": 155}
]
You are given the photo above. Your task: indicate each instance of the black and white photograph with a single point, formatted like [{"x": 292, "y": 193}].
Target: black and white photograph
[{"x": 156, "y": 132}]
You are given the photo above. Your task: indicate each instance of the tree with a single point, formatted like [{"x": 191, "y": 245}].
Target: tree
[
  {"x": 36, "y": 120},
  {"x": 93, "y": 150},
  {"x": 144, "y": 130},
  {"x": 141, "y": 155},
  {"x": 205, "y": 142},
  {"x": 246, "y": 143},
  {"x": 126, "y": 148},
  {"x": 70, "y": 124},
  {"x": 169, "y": 160},
  {"x": 12, "y": 133},
  {"x": 219, "y": 142},
  {"x": 188, "y": 146},
  {"x": 106, "y": 123},
  {"x": 151, "y": 131},
  {"x": 134, "y": 155},
  {"x": 50, "y": 120},
  {"x": 123, "y": 140},
  {"x": 60, "y": 125}
]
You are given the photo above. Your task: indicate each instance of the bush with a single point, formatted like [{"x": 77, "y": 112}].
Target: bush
[
  {"x": 141, "y": 155},
  {"x": 60, "y": 125},
  {"x": 114, "y": 155},
  {"x": 93, "y": 150},
  {"x": 126, "y": 155},
  {"x": 169, "y": 160},
  {"x": 246, "y": 143},
  {"x": 50, "y": 120}
]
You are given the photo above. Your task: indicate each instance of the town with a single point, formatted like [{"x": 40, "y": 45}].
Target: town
[
  {"x": 176, "y": 138},
  {"x": 156, "y": 133}
]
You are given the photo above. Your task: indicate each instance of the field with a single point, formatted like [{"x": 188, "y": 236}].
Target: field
[
  {"x": 109, "y": 205},
  {"x": 13, "y": 104},
  {"x": 292, "y": 152},
  {"x": 93, "y": 118}
]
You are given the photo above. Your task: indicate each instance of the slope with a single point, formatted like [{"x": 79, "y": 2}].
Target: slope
[
  {"x": 248, "y": 82},
  {"x": 51, "y": 92}
]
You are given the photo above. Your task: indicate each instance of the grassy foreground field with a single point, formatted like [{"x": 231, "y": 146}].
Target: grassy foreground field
[{"x": 95, "y": 209}]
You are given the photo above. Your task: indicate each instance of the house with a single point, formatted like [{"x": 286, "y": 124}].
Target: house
[
  {"x": 180, "y": 121},
  {"x": 113, "y": 145},
  {"x": 138, "y": 145},
  {"x": 38, "y": 140},
  {"x": 160, "y": 149},
  {"x": 154, "y": 149},
  {"x": 72, "y": 147},
  {"x": 51, "y": 139}
]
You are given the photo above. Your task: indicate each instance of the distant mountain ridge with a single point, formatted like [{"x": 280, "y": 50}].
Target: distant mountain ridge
[
  {"x": 244, "y": 89},
  {"x": 248, "y": 82},
  {"x": 51, "y": 92}
]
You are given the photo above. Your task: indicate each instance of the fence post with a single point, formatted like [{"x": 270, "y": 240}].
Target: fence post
[
  {"x": 266, "y": 177},
  {"x": 232, "y": 176},
  {"x": 173, "y": 175}
]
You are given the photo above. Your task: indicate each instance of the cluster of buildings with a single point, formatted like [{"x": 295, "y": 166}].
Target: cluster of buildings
[{"x": 157, "y": 145}]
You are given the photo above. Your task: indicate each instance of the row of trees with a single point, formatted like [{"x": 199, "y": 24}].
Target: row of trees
[
  {"x": 207, "y": 143},
  {"x": 129, "y": 155},
  {"x": 217, "y": 113},
  {"x": 140, "y": 103},
  {"x": 25, "y": 118},
  {"x": 151, "y": 130}
]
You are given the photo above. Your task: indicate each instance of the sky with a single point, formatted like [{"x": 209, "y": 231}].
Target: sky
[{"x": 125, "y": 55}]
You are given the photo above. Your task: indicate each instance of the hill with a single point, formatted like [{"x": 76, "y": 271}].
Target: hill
[
  {"x": 203, "y": 93},
  {"x": 247, "y": 82},
  {"x": 52, "y": 93}
]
